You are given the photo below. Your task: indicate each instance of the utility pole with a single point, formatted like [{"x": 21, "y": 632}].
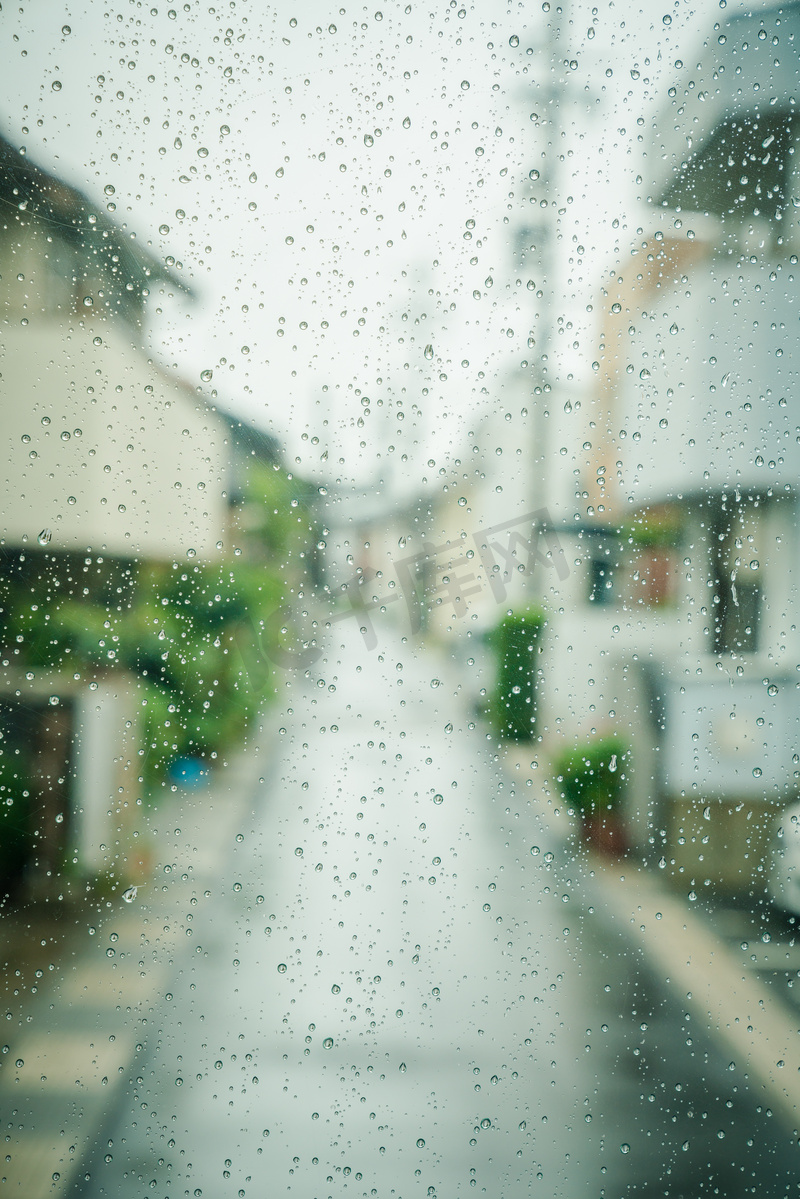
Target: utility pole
[{"x": 540, "y": 233}]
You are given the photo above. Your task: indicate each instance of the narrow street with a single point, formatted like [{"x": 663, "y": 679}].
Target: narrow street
[{"x": 399, "y": 985}]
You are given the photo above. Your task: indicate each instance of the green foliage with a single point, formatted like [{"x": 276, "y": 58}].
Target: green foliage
[
  {"x": 592, "y": 776},
  {"x": 277, "y": 506},
  {"x": 516, "y": 643},
  {"x": 201, "y": 693},
  {"x": 190, "y": 633},
  {"x": 659, "y": 526},
  {"x": 173, "y": 627}
]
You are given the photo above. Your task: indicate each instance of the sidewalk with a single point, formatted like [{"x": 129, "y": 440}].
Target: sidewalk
[
  {"x": 71, "y": 1042},
  {"x": 732, "y": 968}
]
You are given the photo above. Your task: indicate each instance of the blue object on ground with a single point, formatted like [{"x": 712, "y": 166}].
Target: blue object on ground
[{"x": 189, "y": 772}]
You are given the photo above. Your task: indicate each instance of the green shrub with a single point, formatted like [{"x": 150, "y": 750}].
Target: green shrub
[
  {"x": 592, "y": 777},
  {"x": 172, "y": 626},
  {"x": 516, "y": 642}
]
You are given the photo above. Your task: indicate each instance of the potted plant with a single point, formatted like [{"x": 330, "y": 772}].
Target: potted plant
[
  {"x": 654, "y": 536},
  {"x": 592, "y": 780}
]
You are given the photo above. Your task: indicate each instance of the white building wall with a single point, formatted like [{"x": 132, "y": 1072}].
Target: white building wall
[{"x": 104, "y": 449}]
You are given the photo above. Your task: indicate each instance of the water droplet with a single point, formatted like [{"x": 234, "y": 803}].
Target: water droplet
[
  {"x": 663, "y": 423},
  {"x": 429, "y": 352},
  {"x": 19, "y": 1063},
  {"x": 282, "y": 968},
  {"x": 725, "y": 380},
  {"x": 109, "y": 189},
  {"x": 298, "y": 853},
  {"x": 327, "y": 1043},
  {"x": 612, "y": 765},
  {"x": 615, "y": 307},
  {"x": 56, "y": 85},
  {"x": 420, "y": 1143},
  {"x": 402, "y": 1067},
  {"x": 44, "y": 537},
  {"x": 369, "y": 140},
  {"x": 130, "y": 894},
  {"x": 406, "y": 122},
  {"x": 438, "y": 799},
  {"x": 673, "y": 329},
  {"x": 772, "y": 689},
  {"x": 486, "y": 1122},
  {"x": 513, "y": 40},
  {"x": 624, "y": 1147},
  {"x": 335, "y": 989},
  {"x": 465, "y": 85},
  {"x": 202, "y": 152}
]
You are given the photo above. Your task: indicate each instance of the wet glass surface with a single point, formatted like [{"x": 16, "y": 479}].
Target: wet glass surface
[{"x": 398, "y": 645}]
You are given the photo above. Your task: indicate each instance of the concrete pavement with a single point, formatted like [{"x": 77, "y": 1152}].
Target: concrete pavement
[{"x": 384, "y": 970}]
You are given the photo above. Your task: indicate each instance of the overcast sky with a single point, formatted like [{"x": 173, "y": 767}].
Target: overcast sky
[{"x": 341, "y": 185}]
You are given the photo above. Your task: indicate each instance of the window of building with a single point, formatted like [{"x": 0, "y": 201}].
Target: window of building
[{"x": 737, "y": 550}]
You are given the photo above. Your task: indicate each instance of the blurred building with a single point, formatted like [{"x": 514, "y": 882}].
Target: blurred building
[
  {"x": 692, "y": 477},
  {"x": 109, "y": 463}
]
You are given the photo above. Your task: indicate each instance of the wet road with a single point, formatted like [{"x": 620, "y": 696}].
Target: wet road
[{"x": 386, "y": 992}]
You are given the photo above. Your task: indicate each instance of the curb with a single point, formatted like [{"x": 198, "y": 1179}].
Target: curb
[
  {"x": 760, "y": 1031},
  {"x": 743, "y": 1014}
]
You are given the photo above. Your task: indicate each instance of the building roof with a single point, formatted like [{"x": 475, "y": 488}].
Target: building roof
[
  {"x": 250, "y": 440},
  {"x": 747, "y": 66},
  {"x": 28, "y": 189}
]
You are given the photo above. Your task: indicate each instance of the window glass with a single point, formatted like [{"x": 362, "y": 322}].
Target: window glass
[{"x": 399, "y": 755}]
